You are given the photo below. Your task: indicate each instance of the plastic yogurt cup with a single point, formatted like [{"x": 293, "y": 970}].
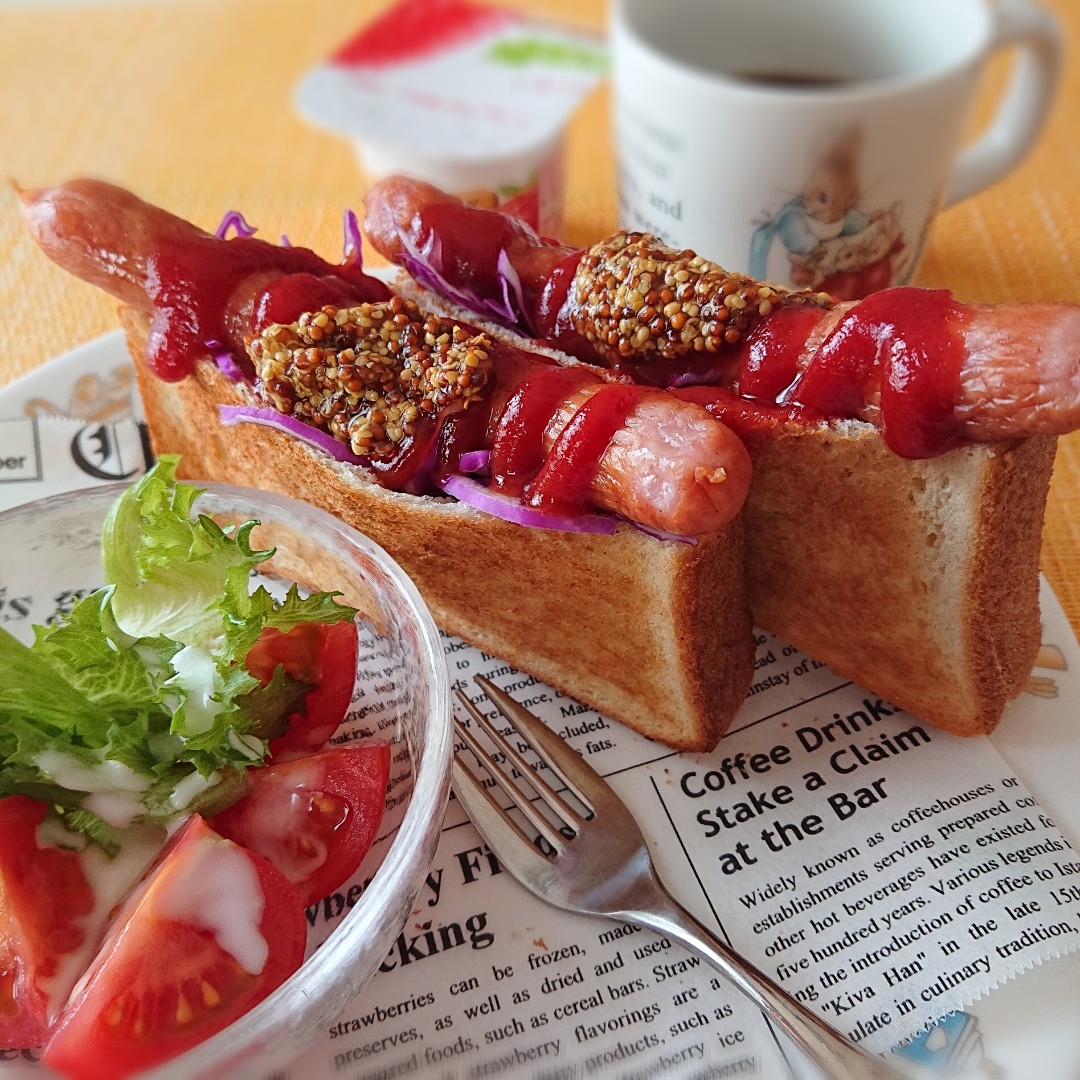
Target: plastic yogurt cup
[{"x": 471, "y": 98}]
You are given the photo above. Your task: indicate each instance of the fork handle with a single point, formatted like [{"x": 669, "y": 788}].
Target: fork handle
[{"x": 835, "y": 1056}]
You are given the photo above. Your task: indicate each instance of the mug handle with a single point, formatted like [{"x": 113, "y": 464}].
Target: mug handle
[{"x": 1037, "y": 37}]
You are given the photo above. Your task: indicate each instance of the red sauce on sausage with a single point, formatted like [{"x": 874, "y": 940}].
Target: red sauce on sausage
[
  {"x": 903, "y": 346},
  {"x": 908, "y": 342},
  {"x": 286, "y": 298},
  {"x": 517, "y": 449},
  {"x": 564, "y": 482},
  {"x": 550, "y": 318},
  {"x": 192, "y": 282},
  {"x": 770, "y": 361},
  {"x": 751, "y": 420},
  {"x": 409, "y": 467},
  {"x": 464, "y": 430}
]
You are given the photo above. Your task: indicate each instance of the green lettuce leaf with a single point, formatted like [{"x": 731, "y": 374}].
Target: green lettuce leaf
[
  {"x": 169, "y": 571},
  {"x": 266, "y": 708},
  {"x": 107, "y": 677},
  {"x": 148, "y": 672},
  {"x": 83, "y": 823}
]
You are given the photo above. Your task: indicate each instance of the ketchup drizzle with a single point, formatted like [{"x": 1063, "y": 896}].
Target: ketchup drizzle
[
  {"x": 751, "y": 420},
  {"x": 517, "y": 449},
  {"x": 551, "y": 315},
  {"x": 193, "y": 283},
  {"x": 463, "y": 430},
  {"x": 563, "y": 484},
  {"x": 910, "y": 343},
  {"x": 770, "y": 361}
]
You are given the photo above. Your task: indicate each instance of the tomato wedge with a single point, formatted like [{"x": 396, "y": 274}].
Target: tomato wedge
[
  {"x": 43, "y": 895},
  {"x": 314, "y": 818},
  {"x": 210, "y": 933},
  {"x": 321, "y": 654}
]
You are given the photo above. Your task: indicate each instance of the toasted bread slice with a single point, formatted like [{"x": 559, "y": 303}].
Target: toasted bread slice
[
  {"x": 918, "y": 580},
  {"x": 654, "y": 634}
]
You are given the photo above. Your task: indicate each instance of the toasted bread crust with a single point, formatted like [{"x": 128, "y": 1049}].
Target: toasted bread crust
[
  {"x": 656, "y": 635},
  {"x": 918, "y": 580}
]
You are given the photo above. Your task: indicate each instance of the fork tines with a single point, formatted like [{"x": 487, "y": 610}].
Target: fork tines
[{"x": 547, "y": 746}]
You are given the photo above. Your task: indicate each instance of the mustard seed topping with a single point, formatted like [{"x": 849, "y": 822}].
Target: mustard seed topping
[
  {"x": 632, "y": 294},
  {"x": 369, "y": 374}
]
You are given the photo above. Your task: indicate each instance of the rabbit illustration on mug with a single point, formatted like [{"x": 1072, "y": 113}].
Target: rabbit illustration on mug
[{"x": 831, "y": 242}]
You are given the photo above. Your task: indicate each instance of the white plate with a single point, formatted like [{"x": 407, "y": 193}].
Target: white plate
[{"x": 1030, "y": 1028}]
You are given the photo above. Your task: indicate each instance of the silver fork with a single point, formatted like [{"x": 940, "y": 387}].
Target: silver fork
[{"x": 604, "y": 868}]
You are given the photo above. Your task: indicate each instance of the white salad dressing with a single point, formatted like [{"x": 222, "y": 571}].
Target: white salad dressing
[
  {"x": 188, "y": 788},
  {"x": 76, "y": 775},
  {"x": 249, "y": 745},
  {"x": 110, "y": 879},
  {"x": 116, "y": 808},
  {"x": 197, "y": 673},
  {"x": 114, "y": 788},
  {"x": 220, "y": 892},
  {"x": 52, "y": 832}
]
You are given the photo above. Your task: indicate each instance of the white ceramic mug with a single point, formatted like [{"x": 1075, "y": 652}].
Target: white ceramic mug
[{"x": 812, "y": 143}]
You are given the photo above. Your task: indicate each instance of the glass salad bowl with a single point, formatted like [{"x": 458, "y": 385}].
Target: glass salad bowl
[{"x": 50, "y": 555}]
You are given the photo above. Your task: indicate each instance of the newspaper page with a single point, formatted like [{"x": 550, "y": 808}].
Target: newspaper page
[{"x": 884, "y": 872}]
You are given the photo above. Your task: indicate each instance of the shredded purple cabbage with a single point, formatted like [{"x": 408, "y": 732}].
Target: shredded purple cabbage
[
  {"x": 228, "y": 366},
  {"x": 424, "y": 268},
  {"x": 225, "y": 361},
  {"x": 661, "y": 534},
  {"x": 354, "y": 242},
  {"x": 469, "y": 491},
  {"x": 232, "y": 415},
  {"x": 704, "y": 377},
  {"x": 234, "y": 220},
  {"x": 475, "y": 461},
  {"x": 511, "y": 282}
]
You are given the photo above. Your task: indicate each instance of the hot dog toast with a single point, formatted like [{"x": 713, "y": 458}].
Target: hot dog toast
[{"x": 916, "y": 578}]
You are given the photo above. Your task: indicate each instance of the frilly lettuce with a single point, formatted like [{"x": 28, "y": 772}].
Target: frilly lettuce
[{"x": 145, "y": 677}]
